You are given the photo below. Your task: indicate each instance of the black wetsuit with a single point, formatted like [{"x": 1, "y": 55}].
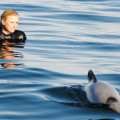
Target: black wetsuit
[{"x": 16, "y": 37}]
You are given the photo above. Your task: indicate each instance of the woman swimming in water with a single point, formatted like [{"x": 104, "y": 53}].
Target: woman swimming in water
[{"x": 9, "y": 23}]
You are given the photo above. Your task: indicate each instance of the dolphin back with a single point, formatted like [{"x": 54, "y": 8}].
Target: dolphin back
[{"x": 91, "y": 76}]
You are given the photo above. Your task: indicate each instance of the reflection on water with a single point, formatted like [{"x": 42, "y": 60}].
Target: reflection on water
[{"x": 7, "y": 52}]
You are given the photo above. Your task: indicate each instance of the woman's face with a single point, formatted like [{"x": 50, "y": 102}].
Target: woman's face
[{"x": 10, "y": 24}]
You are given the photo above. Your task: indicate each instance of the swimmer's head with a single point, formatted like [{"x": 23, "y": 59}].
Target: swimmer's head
[{"x": 9, "y": 20}]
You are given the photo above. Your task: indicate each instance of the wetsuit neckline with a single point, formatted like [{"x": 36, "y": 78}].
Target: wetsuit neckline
[{"x": 6, "y": 34}]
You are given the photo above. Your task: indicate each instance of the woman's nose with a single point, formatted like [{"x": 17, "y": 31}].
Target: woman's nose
[{"x": 15, "y": 25}]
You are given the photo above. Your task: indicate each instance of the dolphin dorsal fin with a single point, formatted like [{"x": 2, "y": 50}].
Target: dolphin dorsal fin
[{"x": 91, "y": 76}]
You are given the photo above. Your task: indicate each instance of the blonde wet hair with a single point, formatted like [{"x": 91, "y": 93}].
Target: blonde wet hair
[{"x": 7, "y": 13}]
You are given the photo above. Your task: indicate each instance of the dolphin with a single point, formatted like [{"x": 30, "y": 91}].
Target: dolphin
[{"x": 102, "y": 93}]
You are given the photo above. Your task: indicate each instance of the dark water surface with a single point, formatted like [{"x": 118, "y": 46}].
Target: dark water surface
[{"x": 65, "y": 38}]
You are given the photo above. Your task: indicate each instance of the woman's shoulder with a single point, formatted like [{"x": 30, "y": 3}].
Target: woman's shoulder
[
  {"x": 19, "y": 35},
  {"x": 19, "y": 32}
]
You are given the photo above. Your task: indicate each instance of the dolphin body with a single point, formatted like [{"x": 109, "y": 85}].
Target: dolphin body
[{"x": 103, "y": 93}]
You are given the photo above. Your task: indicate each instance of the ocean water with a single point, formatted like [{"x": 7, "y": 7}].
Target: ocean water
[{"x": 65, "y": 38}]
